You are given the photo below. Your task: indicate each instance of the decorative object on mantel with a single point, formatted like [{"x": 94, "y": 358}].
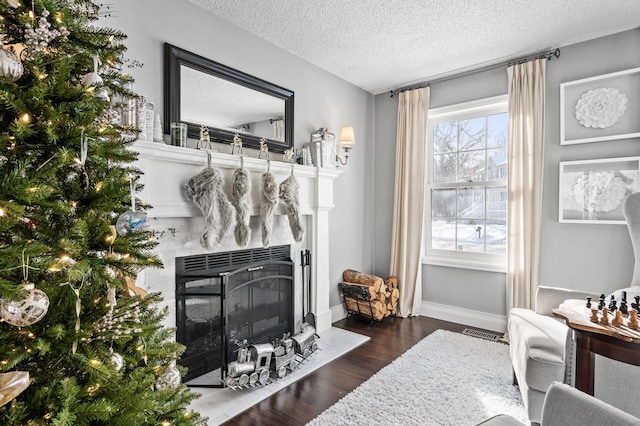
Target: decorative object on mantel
[
  {"x": 179, "y": 134},
  {"x": 204, "y": 142},
  {"x": 240, "y": 190},
  {"x": 236, "y": 144},
  {"x": 268, "y": 196},
  {"x": 323, "y": 148},
  {"x": 347, "y": 139},
  {"x": 289, "y": 195},
  {"x": 157, "y": 129},
  {"x": 205, "y": 191}
]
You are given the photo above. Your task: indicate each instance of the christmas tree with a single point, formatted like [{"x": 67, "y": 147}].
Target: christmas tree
[{"x": 72, "y": 235}]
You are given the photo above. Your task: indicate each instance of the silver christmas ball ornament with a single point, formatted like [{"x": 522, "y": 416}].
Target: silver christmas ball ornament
[
  {"x": 117, "y": 360},
  {"x": 27, "y": 311},
  {"x": 10, "y": 65},
  {"x": 170, "y": 378}
]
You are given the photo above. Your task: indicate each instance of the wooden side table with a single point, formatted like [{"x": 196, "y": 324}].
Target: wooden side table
[{"x": 617, "y": 343}]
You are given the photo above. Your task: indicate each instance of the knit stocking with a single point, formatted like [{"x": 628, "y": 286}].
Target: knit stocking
[
  {"x": 205, "y": 190},
  {"x": 289, "y": 195},
  {"x": 240, "y": 200},
  {"x": 269, "y": 201}
]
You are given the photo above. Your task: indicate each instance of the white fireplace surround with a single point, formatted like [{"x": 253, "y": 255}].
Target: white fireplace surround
[{"x": 178, "y": 223}]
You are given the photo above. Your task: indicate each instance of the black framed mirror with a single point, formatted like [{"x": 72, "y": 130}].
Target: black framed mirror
[{"x": 202, "y": 92}]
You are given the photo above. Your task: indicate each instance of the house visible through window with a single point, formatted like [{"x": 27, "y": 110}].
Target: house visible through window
[{"x": 466, "y": 216}]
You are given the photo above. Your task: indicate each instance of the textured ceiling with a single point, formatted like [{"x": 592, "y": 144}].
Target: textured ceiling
[{"x": 379, "y": 45}]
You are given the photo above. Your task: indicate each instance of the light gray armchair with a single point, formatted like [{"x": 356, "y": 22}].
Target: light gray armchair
[
  {"x": 541, "y": 347},
  {"x": 567, "y": 406}
]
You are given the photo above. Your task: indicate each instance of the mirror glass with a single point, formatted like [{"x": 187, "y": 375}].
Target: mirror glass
[{"x": 201, "y": 92}]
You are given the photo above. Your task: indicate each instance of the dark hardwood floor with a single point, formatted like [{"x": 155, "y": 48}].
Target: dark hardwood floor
[{"x": 307, "y": 398}]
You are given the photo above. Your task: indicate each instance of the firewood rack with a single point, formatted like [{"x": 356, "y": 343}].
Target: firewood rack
[{"x": 358, "y": 294}]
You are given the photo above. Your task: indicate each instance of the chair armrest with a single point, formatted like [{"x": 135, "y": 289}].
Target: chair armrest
[
  {"x": 548, "y": 298},
  {"x": 564, "y": 405}
]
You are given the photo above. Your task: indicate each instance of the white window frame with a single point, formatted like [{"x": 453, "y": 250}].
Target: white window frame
[{"x": 493, "y": 262}]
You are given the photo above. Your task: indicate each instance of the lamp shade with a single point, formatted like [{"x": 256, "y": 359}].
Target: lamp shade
[{"x": 346, "y": 136}]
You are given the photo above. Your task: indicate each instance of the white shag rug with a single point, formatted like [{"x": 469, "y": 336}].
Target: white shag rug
[{"x": 445, "y": 379}]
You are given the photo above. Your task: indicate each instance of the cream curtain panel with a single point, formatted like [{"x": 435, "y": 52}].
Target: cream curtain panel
[
  {"x": 408, "y": 201},
  {"x": 526, "y": 161}
]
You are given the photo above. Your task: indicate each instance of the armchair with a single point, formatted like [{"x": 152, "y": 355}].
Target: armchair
[
  {"x": 541, "y": 347},
  {"x": 567, "y": 406}
]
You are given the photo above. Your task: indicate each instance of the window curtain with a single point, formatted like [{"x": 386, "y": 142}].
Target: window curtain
[
  {"x": 408, "y": 201},
  {"x": 278, "y": 129},
  {"x": 526, "y": 161}
]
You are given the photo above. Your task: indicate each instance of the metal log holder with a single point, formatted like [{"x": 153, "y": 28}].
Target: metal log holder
[{"x": 358, "y": 294}]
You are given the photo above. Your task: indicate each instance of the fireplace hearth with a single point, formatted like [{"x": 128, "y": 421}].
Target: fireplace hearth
[{"x": 226, "y": 298}]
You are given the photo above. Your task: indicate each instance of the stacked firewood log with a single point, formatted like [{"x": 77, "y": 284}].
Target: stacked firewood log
[{"x": 383, "y": 295}]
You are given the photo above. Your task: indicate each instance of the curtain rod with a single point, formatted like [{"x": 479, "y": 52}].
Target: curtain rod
[{"x": 544, "y": 55}]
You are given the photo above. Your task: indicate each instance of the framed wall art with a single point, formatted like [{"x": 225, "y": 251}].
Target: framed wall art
[
  {"x": 601, "y": 108},
  {"x": 593, "y": 191}
]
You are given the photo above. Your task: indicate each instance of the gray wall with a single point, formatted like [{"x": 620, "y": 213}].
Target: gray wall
[
  {"x": 590, "y": 257},
  {"x": 321, "y": 100}
]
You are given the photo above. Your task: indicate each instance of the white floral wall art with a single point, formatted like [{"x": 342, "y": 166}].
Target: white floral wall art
[
  {"x": 601, "y": 108},
  {"x": 593, "y": 191}
]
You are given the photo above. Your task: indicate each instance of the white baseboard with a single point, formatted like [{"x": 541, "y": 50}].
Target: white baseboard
[
  {"x": 464, "y": 316},
  {"x": 338, "y": 312}
]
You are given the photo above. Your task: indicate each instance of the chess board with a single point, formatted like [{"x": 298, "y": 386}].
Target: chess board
[{"x": 578, "y": 316}]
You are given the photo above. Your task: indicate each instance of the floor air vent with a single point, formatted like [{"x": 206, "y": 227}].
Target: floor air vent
[{"x": 481, "y": 334}]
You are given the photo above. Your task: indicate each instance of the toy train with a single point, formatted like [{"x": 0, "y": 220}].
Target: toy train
[{"x": 256, "y": 364}]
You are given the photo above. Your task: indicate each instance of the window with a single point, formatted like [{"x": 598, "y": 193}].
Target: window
[{"x": 466, "y": 215}]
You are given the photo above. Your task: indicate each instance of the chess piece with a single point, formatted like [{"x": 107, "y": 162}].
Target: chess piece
[
  {"x": 605, "y": 316},
  {"x": 601, "y": 301},
  {"x": 637, "y": 298},
  {"x": 633, "y": 319},
  {"x": 617, "y": 319},
  {"x": 594, "y": 316},
  {"x": 588, "y": 302},
  {"x": 612, "y": 303},
  {"x": 623, "y": 308}
]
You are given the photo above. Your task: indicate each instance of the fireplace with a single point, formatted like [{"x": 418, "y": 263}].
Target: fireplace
[{"x": 224, "y": 298}]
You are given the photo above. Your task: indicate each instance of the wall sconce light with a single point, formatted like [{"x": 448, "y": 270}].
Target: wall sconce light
[{"x": 347, "y": 139}]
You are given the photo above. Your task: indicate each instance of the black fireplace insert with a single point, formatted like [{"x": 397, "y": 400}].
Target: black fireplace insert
[{"x": 224, "y": 298}]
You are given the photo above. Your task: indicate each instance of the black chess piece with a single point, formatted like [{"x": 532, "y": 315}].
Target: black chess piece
[
  {"x": 601, "y": 302},
  {"x": 624, "y": 297},
  {"x": 637, "y": 298},
  {"x": 612, "y": 303},
  {"x": 623, "y": 307},
  {"x": 588, "y": 302}
]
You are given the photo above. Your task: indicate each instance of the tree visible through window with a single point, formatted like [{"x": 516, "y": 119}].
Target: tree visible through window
[{"x": 467, "y": 188}]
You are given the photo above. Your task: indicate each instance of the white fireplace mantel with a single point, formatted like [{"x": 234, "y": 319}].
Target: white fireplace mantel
[{"x": 167, "y": 167}]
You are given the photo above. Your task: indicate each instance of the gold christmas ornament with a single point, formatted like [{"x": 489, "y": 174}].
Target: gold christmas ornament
[
  {"x": 25, "y": 312},
  {"x": 10, "y": 65},
  {"x": 12, "y": 384}
]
